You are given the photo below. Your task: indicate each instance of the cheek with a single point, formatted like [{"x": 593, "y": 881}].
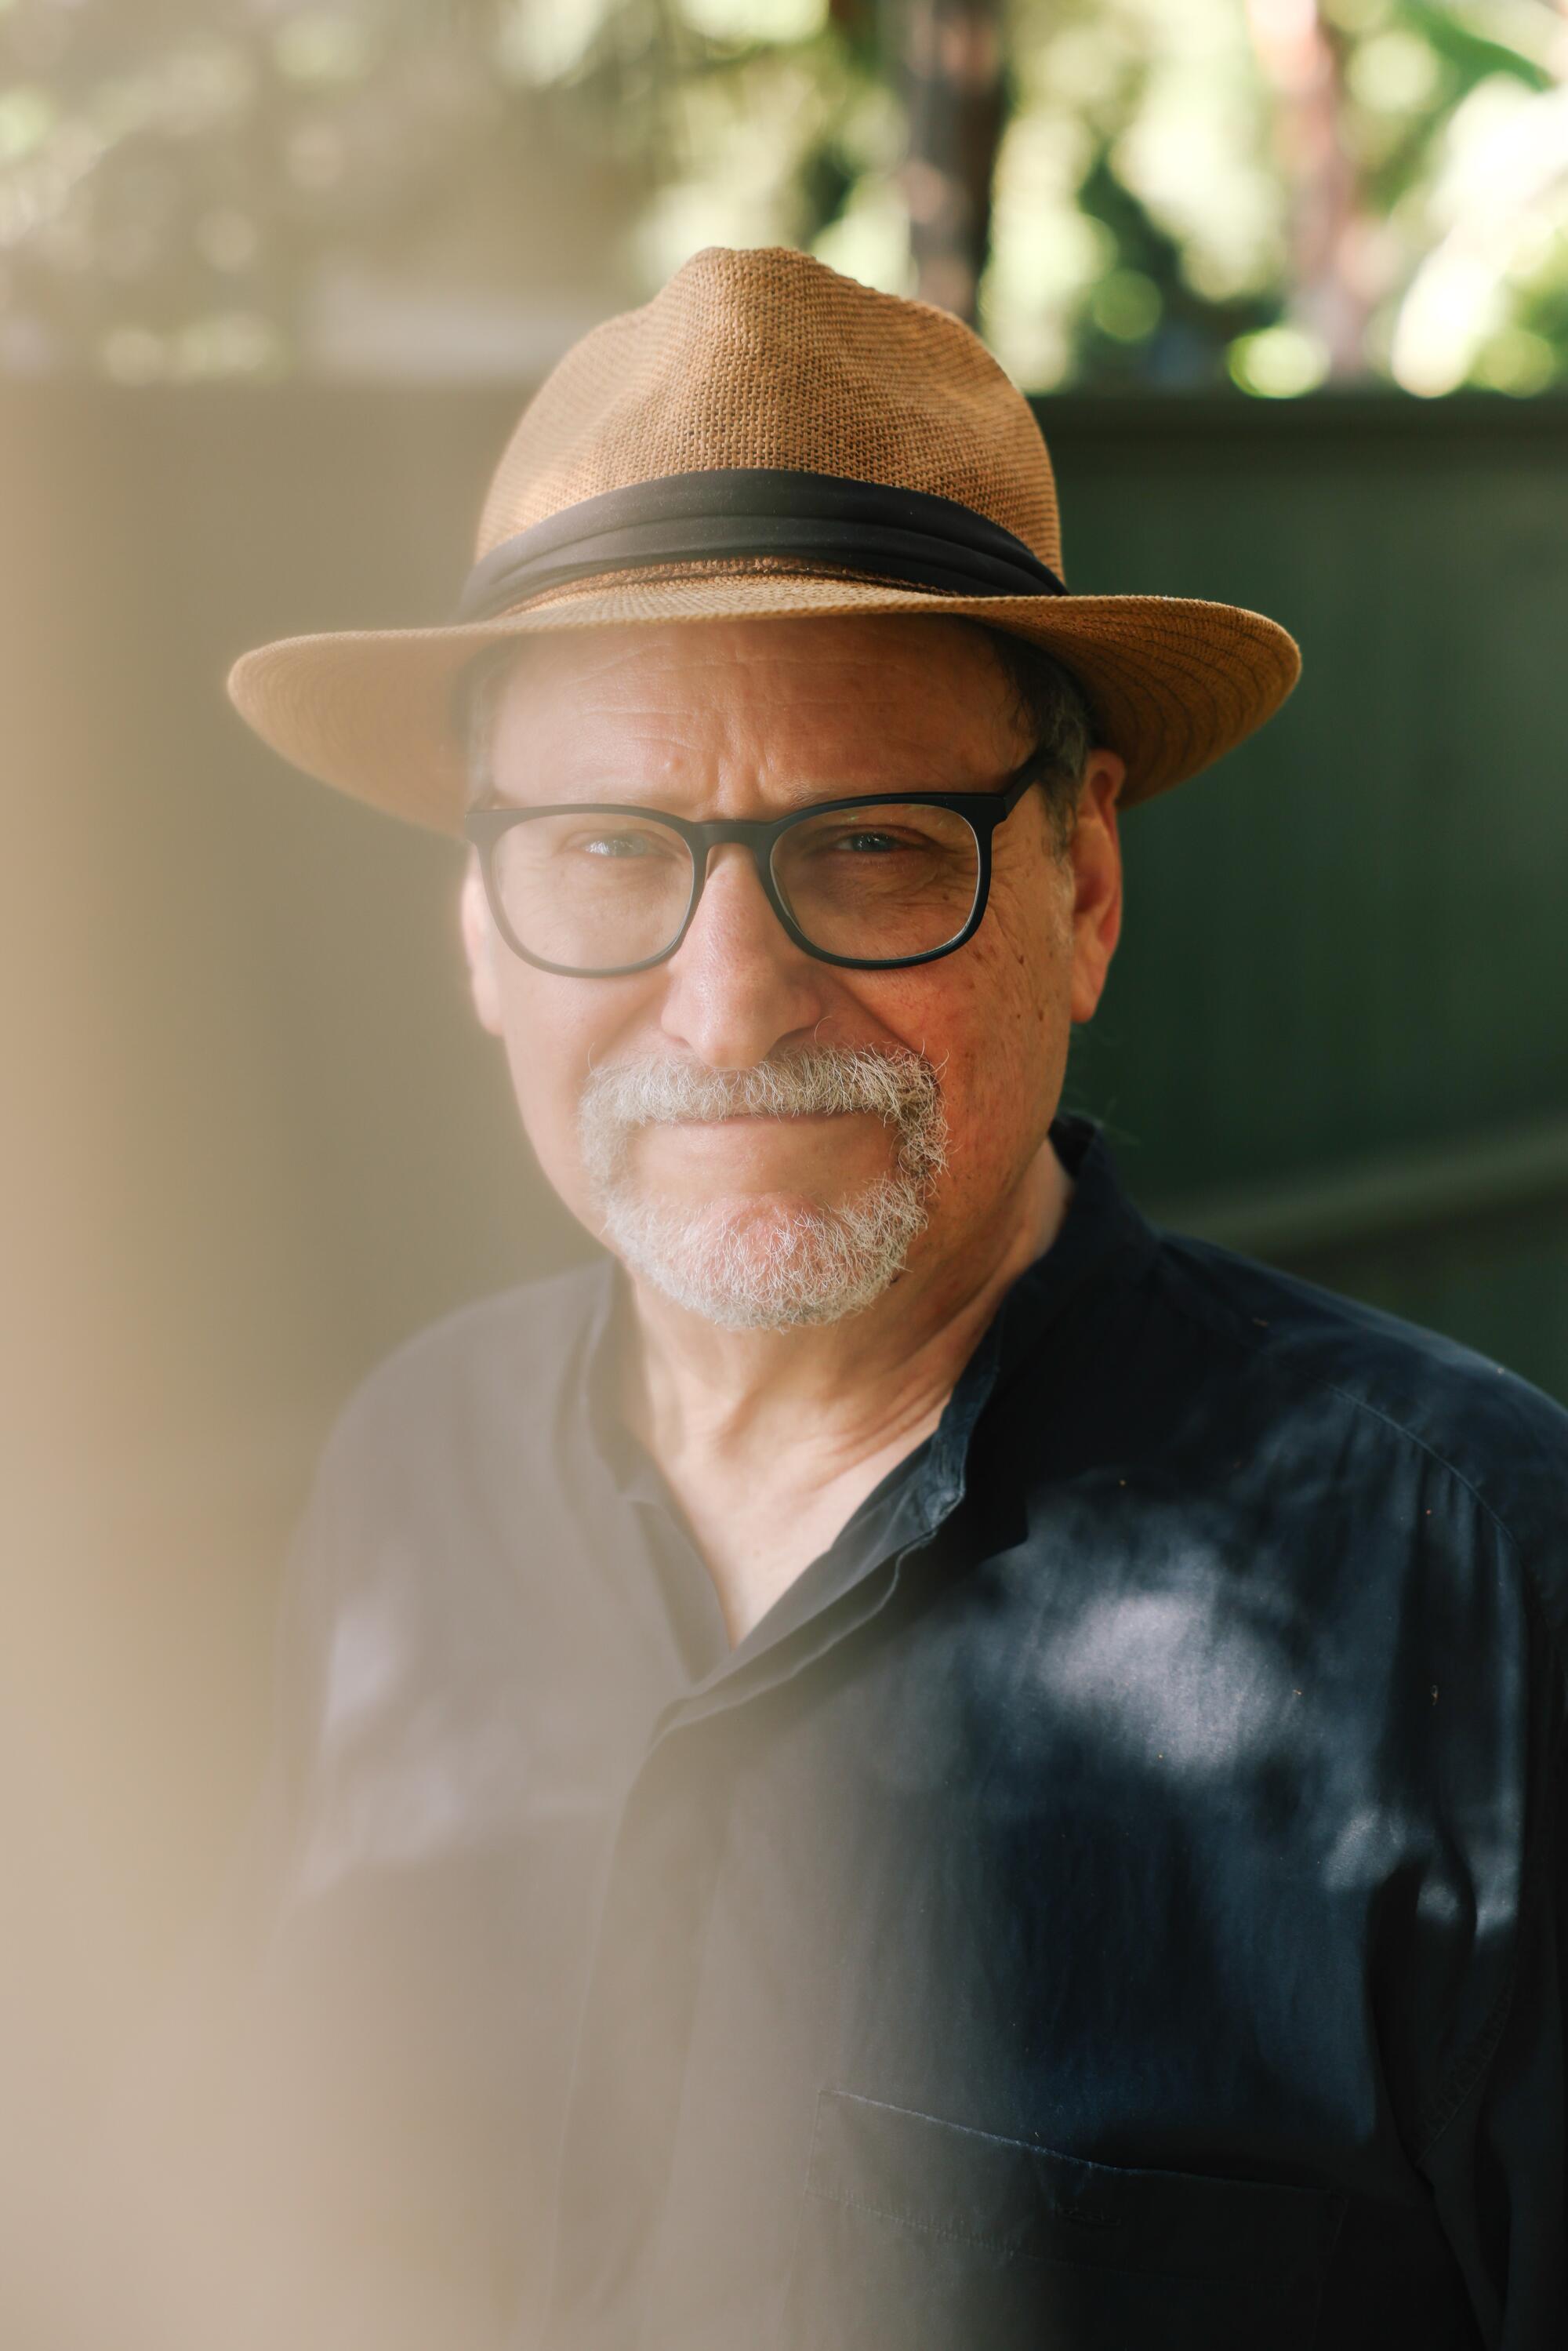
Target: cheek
[
  {"x": 555, "y": 1030},
  {"x": 1005, "y": 995},
  {"x": 996, "y": 1022},
  {"x": 1029, "y": 968},
  {"x": 998, "y": 1014}
]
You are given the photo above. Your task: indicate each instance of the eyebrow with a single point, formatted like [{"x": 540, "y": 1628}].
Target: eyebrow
[{"x": 808, "y": 796}]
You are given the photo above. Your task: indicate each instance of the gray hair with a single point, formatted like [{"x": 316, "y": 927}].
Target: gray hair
[
  {"x": 1047, "y": 704},
  {"x": 1052, "y": 707}
]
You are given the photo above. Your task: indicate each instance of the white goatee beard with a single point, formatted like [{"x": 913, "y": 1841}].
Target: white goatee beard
[{"x": 767, "y": 1268}]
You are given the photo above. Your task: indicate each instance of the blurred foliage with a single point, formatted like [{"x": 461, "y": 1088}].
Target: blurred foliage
[{"x": 1271, "y": 191}]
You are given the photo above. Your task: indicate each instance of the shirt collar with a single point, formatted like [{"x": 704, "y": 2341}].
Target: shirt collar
[{"x": 1101, "y": 1238}]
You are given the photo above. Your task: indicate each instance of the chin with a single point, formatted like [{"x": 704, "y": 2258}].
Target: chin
[{"x": 769, "y": 1261}]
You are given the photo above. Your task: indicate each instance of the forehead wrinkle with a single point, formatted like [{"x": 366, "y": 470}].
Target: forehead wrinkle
[
  {"x": 728, "y": 715},
  {"x": 635, "y": 763},
  {"x": 830, "y": 653}
]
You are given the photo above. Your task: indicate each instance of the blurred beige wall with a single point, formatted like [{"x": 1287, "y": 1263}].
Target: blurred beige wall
[{"x": 251, "y": 1137}]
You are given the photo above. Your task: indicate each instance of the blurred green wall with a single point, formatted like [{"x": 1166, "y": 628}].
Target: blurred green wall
[
  {"x": 1337, "y": 1033},
  {"x": 253, "y": 1138}
]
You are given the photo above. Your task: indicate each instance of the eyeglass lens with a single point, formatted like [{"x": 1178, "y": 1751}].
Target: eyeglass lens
[{"x": 874, "y": 883}]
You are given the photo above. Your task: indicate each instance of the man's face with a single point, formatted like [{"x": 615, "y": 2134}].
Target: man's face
[{"x": 752, "y": 719}]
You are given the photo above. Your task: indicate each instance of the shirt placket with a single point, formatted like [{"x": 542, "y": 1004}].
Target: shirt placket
[{"x": 629, "y": 2075}]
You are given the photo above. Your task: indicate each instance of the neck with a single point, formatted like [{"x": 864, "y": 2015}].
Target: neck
[{"x": 788, "y": 1407}]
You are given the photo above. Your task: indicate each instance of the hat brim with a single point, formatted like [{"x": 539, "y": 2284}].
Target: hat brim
[{"x": 1175, "y": 682}]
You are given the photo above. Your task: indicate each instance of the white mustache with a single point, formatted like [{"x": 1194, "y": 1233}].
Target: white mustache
[{"x": 898, "y": 1086}]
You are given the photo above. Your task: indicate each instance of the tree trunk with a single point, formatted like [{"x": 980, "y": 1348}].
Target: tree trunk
[
  {"x": 951, "y": 55},
  {"x": 1329, "y": 296}
]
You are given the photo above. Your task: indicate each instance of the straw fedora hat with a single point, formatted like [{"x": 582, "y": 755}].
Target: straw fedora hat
[{"x": 766, "y": 438}]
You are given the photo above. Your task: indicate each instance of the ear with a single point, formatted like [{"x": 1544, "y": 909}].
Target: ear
[
  {"x": 1095, "y": 854},
  {"x": 481, "y": 946}
]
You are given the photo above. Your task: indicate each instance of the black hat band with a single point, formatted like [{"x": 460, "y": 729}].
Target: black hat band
[{"x": 908, "y": 536}]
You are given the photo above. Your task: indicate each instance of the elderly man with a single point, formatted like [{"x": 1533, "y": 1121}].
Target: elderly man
[{"x": 904, "y": 1762}]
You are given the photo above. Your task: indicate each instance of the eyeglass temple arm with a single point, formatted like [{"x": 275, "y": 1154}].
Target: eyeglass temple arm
[{"x": 1038, "y": 764}]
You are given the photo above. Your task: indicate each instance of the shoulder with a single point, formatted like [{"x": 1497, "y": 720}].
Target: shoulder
[
  {"x": 517, "y": 1340},
  {"x": 1410, "y": 1395},
  {"x": 494, "y": 1369},
  {"x": 448, "y": 1468}
]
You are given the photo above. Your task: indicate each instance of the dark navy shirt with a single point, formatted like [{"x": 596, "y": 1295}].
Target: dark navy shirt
[{"x": 1116, "y": 1896}]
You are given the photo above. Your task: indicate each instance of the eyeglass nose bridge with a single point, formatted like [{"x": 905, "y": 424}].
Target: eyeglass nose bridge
[{"x": 757, "y": 835}]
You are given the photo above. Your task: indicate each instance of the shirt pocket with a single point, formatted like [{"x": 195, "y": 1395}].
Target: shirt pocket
[{"x": 922, "y": 2235}]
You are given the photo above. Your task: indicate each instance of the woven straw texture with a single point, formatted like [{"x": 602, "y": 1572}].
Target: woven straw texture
[{"x": 769, "y": 359}]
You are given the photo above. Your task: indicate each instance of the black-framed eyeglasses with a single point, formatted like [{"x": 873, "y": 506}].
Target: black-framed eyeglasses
[{"x": 596, "y": 889}]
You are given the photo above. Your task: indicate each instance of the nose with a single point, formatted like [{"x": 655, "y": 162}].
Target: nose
[{"x": 737, "y": 987}]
